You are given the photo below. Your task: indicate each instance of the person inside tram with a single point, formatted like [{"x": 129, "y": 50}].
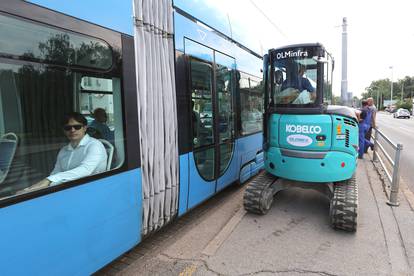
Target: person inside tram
[
  {"x": 298, "y": 89},
  {"x": 98, "y": 128},
  {"x": 196, "y": 123},
  {"x": 83, "y": 156}
]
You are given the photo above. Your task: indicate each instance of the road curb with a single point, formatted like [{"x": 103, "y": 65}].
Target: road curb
[
  {"x": 222, "y": 236},
  {"x": 396, "y": 246},
  {"x": 409, "y": 196}
]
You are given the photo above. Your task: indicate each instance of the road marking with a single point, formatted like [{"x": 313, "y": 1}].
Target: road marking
[
  {"x": 407, "y": 129},
  {"x": 188, "y": 271},
  {"x": 221, "y": 237},
  {"x": 389, "y": 128}
]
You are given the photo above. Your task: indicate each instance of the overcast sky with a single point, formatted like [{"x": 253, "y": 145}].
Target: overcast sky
[{"x": 380, "y": 34}]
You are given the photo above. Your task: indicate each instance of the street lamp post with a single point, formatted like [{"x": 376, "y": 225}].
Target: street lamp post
[
  {"x": 377, "y": 99},
  {"x": 375, "y": 89},
  {"x": 391, "y": 83}
]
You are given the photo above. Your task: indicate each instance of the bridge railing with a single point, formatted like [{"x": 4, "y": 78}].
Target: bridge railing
[{"x": 389, "y": 162}]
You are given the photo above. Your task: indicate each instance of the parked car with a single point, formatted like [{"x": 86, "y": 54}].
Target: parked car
[{"x": 402, "y": 113}]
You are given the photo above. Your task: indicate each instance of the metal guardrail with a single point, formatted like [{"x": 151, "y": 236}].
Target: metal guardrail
[{"x": 393, "y": 177}]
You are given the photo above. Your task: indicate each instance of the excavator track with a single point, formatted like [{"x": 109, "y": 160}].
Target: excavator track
[
  {"x": 258, "y": 196},
  {"x": 344, "y": 205}
]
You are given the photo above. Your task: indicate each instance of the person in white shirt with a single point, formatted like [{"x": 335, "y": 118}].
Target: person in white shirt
[{"x": 83, "y": 156}]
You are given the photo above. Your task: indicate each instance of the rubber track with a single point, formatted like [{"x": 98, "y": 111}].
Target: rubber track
[
  {"x": 344, "y": 205},
  {"x": 252, "y": 199}
]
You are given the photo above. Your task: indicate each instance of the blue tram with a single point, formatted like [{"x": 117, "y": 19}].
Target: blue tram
[{"x": 184, "y": 105}]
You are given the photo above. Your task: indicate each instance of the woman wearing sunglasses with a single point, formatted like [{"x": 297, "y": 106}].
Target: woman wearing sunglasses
[{"x": 83, "y": 156}]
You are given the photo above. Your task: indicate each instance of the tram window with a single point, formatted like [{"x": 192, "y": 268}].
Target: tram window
[
  {"x": 100, "y": 103},
  {"x": 35, "y": 97},
  {"x": 225, "y": 108},
  {"x": 41, "y": 43},
  {"x": 96, "y": 103},
  {"x": 251, "y": 100},
  {"x": 33, "y": 102},
  {"x": 202, "y": 117},
  {"x": 202, "y": 111}
]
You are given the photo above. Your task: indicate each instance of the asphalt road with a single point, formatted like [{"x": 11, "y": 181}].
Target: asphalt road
[{"x": 400, "y": 131}]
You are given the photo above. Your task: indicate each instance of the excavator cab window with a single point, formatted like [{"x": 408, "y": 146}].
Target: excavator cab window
[{"x": 295, "y": 81}]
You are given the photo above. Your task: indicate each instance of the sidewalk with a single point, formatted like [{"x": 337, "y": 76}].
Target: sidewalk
[{"x": 293, "y": 238}]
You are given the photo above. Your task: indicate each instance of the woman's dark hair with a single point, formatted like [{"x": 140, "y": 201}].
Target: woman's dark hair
[
  {"x": 75, "y": 116},
  {"x": 364, "y": 102}
]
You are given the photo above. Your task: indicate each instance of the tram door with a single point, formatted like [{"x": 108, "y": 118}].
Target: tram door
[{"x": 212, "y": 120}]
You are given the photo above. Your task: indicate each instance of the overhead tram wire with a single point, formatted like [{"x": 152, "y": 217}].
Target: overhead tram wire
[{"x": 268, "y": 19}]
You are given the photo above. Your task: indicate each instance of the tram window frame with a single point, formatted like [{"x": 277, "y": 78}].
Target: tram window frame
[
  {"x": 16, "y": 195},
  {"x": 209, "y": 99},
  {"x": 204, "y": 153},
  {"x": 245, "y": 93}
]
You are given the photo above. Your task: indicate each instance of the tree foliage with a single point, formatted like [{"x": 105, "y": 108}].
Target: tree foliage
[
  {"x": 407, "y": 104},
  {"x": 403, "y": 89}
]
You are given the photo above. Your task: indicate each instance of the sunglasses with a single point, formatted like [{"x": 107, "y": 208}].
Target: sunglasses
[{"x": 69, "y": 127}]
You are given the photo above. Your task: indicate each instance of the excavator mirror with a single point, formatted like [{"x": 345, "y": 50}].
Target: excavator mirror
[{"x": 320, "y": 59}]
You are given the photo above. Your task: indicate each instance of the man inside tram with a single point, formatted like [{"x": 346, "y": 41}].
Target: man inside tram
[{"x": 83, "y": 156}]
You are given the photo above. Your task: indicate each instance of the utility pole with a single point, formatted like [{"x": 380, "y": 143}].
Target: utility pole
[
  {"x": 402, "y": 92},
  {"x": 391, "y": 83},
  {"x": 381, "y": 103},
  {"x": 344, "y": 81}
]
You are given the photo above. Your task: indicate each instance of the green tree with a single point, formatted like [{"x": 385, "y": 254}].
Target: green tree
[
  {"x": 407, "y": 88},
  {"x": 378, "y": 90},
  {"x": 337, "y": 100},
  {"x": 407, "y": 104}
]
